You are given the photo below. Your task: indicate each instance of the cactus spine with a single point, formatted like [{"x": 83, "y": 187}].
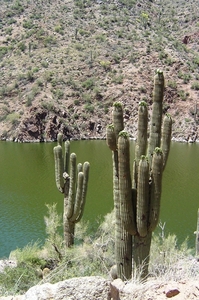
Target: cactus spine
[
  {"x": 137, "y": 200},
  {"x": 73, "y": 186}
]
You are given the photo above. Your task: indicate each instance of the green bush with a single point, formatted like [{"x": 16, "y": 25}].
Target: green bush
[
  {"x": 22, "y": 46},
  {"x": 3, "y": 51},
  {"x": 88, "y": 84},
  {"x": 89, "y": 107},
  {"x": 18, "y": 280},
  {"x": 13, "y": 118},
  {"x": 195, "y": 86},
  {"x": 93, "y": 254}
]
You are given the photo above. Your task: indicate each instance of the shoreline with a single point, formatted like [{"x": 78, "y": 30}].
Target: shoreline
[{"x": 101, "y": 138}]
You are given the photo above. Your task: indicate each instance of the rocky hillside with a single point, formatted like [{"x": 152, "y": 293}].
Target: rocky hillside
[{"x": 64, "y": 63}]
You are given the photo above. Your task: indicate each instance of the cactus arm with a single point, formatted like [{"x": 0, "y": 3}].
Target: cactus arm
[
  {"x": 59, "y": 139},
  {"x": 158, "y": 91},
  {"x": 134, "y": 175},
  {"x": 166, "y": 138},
  {"x": 78, "y": 197},
  {"x": 111, "y": 138},
  {"x": 59, "y": 168},
  {"x": 86, "y": 168},
  {"x": 143, "y": 197},
  {"x": 156, "y": 119},
  {"x": 156, "y": 188},
  {"x": 79, "y": 168},
  {"x": 71, "y": 196},
  {"x": 197, "y": 236},
  {"x": 66, "y": 156},
  {"x": 141, "y": 144},
  {"x": 126, "y": 206},
  {"x": 118, "y": 122}
]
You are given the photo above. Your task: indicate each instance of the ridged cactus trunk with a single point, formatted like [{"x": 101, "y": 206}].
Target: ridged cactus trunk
[
  {"x": 197, "y": 236},
  {"x": 137, "y": 199},
  {"x": 72, "y": 181},
  {"x": 123, "y": 239}
]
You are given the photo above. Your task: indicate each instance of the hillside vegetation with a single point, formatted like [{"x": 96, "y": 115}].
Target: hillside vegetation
[{"x": 64, "y": 63}]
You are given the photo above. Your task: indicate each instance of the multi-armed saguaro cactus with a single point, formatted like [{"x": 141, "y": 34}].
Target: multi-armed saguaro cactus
[
  {"x": 73, "y": 186},
  {"x": 137, "y": 199}
]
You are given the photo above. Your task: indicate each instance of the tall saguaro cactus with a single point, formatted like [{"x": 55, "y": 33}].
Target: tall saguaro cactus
[
  {"x": 72, "y": 182},
  {"x": 137, "y": 199}
]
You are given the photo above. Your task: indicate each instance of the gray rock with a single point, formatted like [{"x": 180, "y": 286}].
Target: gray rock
[{"x": 81, "y": 288}]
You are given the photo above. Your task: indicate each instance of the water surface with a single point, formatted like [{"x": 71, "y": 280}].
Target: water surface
[{"x": 27, "y": 183}]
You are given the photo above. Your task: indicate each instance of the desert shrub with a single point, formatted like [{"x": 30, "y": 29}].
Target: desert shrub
[
  {"x": 28, "y": 255},
  {"x": 195, "y": 86},
  {"x": 118, "y": 79},
  {"x": 168, "y": 259},
  {"x": 13, "y": 118},
  {"x": 92, "y": 254},
  {"x": 29, "y": 100},
  {"x": 172, "y": 84},
  {"x": 54, "y": 241},
  {"x": 18, "y": 280},
  {"x": 89, "y": 107},
  {"x": 183, "y": 95},
  {"x": 21, "y": 46},
  {"x": 3, "y": 51},
  {"x": 88, "y": 84},
  {"x": 28, "y": 24}
]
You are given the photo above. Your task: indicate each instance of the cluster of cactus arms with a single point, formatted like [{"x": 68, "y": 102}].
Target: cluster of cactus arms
[
  {"x": 72, "y": 181},
  {"x": 137, "y": 195}
]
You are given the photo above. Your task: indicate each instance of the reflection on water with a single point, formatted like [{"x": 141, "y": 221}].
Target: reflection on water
[{"x": 27, "y": 184}]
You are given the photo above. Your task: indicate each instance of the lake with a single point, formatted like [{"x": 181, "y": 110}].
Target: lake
[{"x": 27, "y": 184}]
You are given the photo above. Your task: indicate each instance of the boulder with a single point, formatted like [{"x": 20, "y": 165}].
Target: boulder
[{"x": 81, "y": 288}]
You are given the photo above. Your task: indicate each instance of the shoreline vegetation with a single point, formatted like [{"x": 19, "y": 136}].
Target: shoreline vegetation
[{"x": 92, "y": 256}]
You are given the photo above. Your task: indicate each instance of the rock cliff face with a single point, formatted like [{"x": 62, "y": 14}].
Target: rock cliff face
[{"x": 40, "y": 125}]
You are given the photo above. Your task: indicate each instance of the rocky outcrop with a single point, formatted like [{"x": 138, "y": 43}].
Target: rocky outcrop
[
  {"x": 41, "y": 125},
  {"x": 98, "y": 288},
  {"x": 82, "y": 288}
]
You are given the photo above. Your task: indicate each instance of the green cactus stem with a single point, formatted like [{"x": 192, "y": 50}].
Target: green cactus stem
[
  {"x": 143, "y": 197},
  {"x": 111, "y": 138},
  {"x": 59, "y": 170},
  {"x": 156, "y": 188},
  {"x": 73, "y": 186},
  {"x": 166, "y": 138},
  {"x": 197, "y": 236},
  {"x": 137, "y": 201},
  {"x": 156, "y": 119},
  {"x": 125, "y": 186},
  {"x": 123, "y": 239},
  {"x": 118, "y": 122},
  {"x": 141, "y": 144}
]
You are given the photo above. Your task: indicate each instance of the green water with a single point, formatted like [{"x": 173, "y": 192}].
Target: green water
[{"x": 27, "y": 183}]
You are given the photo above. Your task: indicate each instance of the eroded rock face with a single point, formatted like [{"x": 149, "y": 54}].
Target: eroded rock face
[{"x": 41, "y": 125}]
